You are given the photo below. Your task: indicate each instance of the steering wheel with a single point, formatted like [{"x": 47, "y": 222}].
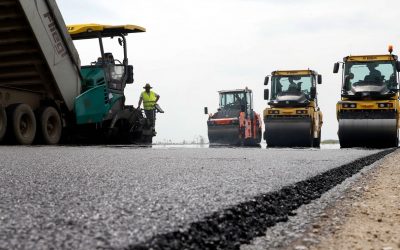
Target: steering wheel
[{"x": 229, "y": 105}]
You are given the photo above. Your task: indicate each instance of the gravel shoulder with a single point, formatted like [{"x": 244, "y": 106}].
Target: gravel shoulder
[{"x": 367, "y": 218}]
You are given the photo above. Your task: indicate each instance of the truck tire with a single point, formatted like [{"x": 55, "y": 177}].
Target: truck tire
[
  {"x": 50, "y": 126},
  {"x": 3, "y": 123},
  {"x": 23, "y": 124}
]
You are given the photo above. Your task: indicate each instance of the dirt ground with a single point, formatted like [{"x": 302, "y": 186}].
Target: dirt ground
[{"x": 368, "y": 217}]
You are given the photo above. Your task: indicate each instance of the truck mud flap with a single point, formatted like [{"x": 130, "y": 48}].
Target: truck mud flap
[
  {"x": 224, "y": 134},
  {"x": 373, "y": 133},
  {"x": 288, "y": 132}
]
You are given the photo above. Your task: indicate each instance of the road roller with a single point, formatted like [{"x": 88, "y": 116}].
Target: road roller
[
  {"x": 235, "y": 122},
  {"x": 368, "y": 109},
  {"x": 293, "y": 118}
]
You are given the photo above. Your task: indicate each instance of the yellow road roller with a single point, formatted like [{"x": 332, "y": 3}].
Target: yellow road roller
[
  {"x": 293, "y": 118},
  {"x": 368, "y": 109}
]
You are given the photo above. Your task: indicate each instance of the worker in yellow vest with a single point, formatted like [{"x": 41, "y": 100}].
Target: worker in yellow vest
[{"x": 149, "y": 99}]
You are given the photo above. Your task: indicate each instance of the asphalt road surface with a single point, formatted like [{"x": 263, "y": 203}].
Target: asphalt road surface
[{"x": 132, "y": 198}]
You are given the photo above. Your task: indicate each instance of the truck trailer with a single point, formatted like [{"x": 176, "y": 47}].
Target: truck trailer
[{"x": 46, "y": 96}]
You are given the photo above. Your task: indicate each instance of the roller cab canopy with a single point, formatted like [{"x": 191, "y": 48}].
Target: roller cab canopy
[
  {"x": 90, "y": 31},
  {"x": 234, "y": 90},
  {"x": 369, "y": 58},
  {"x": 293, "y": 72}
]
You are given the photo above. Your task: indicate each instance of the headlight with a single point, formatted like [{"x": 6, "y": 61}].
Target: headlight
[
  {"x": 385, "y": 105},
  {"x": 349, "y": 105},
  {"x": 301, "y": 112},
  {"x": 273, "y": 112}
]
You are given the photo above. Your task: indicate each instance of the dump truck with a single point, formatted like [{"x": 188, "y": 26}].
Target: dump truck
[
  {"x": 235, "y": 122},
  {"x": 293, "y": 118},
  {"x": 368, "y": 112},
  {"x": 45, "y": 93}
]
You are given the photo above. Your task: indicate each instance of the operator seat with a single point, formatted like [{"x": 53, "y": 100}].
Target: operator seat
[
  {"x": 293, "y": 88},
  {"x": 108, "y": 59}
]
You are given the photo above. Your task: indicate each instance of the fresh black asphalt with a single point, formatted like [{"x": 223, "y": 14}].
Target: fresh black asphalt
[{"x": 110, "y": 197}]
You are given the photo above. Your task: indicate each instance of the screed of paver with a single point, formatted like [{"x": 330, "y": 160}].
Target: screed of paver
[{"x": 371, "y": 221}]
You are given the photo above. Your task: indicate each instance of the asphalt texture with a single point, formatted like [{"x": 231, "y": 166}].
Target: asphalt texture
[{"x": 140, "y": 198}]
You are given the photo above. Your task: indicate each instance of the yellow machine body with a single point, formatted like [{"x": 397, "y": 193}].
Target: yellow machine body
[
  {"x": 293, "y": 124},
  {"x": 369, "y": 118}
]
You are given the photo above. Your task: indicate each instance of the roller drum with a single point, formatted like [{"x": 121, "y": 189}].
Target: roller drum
[
  {"x": 375, "y": 133},
  {"x": 224, "y": 134},
  {"x": 289, "y": 132}
]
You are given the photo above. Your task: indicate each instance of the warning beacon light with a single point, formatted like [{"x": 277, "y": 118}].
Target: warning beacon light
[{"x": 390, "y": 49}]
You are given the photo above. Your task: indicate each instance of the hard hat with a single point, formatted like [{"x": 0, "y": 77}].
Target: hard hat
[{"x": 147, "y": 86}]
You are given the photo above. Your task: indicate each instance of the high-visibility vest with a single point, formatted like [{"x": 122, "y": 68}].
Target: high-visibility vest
[{"x": 149, "y": 100}]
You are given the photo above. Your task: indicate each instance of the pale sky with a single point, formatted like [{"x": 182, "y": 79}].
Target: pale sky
[{"x": 192, "y": 48}]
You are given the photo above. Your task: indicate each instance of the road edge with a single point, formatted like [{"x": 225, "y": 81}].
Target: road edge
[{"x": 240, "y": 224}]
